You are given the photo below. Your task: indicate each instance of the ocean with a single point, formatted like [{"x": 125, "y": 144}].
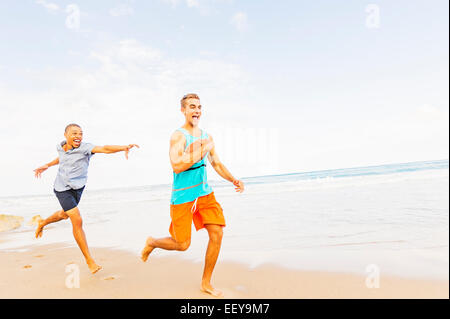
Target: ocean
[{"x": 393, "y": 217}]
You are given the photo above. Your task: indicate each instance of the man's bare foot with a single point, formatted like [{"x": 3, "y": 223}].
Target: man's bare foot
[
  {"x": 147, "y": 249},
  {"x": 207, "y": 288},
  {"x": 93, "y": 267},
  {"x": 40, "y": 228}
]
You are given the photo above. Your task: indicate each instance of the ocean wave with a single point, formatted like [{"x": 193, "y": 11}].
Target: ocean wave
[
  {"x": 9, "y": 222},
  {"x": 313, "y": 184}
]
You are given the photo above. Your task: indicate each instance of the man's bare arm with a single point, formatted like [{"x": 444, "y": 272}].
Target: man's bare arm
[
  {"x": 109, "y": 149},
  {"x": 220, "y": 168},
  {"x": 38, "y": 171},
  {"x": 182, "y": 160}
]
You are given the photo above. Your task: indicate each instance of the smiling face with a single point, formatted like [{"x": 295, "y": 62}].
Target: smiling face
[
  {"x": 192, "y": 110},
  {"x": 74, "y": 136}
]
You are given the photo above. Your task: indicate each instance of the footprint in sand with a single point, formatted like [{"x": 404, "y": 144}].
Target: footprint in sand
[
  {"x": 109, "y": 278},
  {"x": 27, "y": 266},
  {"x": 38, "y": 256}
]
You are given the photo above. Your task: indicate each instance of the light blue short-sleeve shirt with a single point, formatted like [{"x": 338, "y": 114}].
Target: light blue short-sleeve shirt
[{"x": 73, "y": 166}]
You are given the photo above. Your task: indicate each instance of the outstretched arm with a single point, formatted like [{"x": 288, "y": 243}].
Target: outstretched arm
[
  {"x": 38, "y": 171},
  {"x": 182, "y": 160},
  {"x": 223, "y": 171},
  {"x": 108, "y": 149}
]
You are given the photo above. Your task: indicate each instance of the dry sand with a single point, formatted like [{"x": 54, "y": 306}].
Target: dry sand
[{"x": 41, "y": 273}]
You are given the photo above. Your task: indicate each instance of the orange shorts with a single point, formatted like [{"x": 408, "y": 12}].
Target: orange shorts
[{"x": 206, "y": 211}]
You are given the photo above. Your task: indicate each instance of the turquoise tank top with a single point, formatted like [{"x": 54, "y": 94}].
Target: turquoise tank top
[{"x": 192, "y": 183}]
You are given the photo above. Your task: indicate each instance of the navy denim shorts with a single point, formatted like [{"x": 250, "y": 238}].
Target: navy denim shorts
[{"x": 69, "y": 199}]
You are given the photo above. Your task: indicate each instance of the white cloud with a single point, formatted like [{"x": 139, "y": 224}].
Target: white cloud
[
  {"x": 188, "y": 3},
  {"x": 51, "y": 7},
  {"x": 72, "y": 10},
  {"x": 128, "y": 52},
  {"x": 203, "y": 7},
  {"x": 192, "y": 3},
  {"x": 240, "y": 21},
  {"x": 130, "y": 96},
  {"x": 173, "y": 3},
  {"x": 121, "y": 10}
]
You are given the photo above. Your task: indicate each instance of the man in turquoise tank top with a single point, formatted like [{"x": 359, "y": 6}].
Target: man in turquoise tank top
[{"x": 192, "y": 198}]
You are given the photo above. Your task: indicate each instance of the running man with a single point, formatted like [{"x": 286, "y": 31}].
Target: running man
[
  {"x": 73, "y": 160},
  {"x": 192, "y": 198}
]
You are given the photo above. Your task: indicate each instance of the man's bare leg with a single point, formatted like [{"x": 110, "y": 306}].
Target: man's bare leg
[
  {"x": 56, "y": 217},
  {"x": 212, "y": 253},
  {"x": 167, "y": 243},
  {"x": 78, "y": 233}
]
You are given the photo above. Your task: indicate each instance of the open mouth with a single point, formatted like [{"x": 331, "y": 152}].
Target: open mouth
[
  {"x": 195, "y": 117},
  {"x": 76, "y": 141}
]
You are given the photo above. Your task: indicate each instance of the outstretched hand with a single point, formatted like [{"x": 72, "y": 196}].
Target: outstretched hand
[
  {"x": 239, "y": 186},
  {"x": 128, "y": 148},
  {"x": 38, "y": 171}
]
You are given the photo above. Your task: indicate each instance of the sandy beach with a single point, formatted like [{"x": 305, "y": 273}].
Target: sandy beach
[
  {"x": 41, "y": 273},
  {"x": 301, "y": 238}
]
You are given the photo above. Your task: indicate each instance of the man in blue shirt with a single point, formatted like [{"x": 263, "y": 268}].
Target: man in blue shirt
[
  {"x": 73, "y": 160},
  {"x": 193, "y": 200}
]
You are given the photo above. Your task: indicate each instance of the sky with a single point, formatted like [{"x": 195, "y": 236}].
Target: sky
[{"x": 286, "y": 86}]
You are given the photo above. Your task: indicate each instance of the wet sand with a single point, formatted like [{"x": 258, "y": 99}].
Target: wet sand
[{"x": 40, "y": 272}]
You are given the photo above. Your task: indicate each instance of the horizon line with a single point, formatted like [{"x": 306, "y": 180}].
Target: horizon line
[{"x": 247, "y": 177}]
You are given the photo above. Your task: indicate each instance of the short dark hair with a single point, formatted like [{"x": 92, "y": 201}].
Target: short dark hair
[
  {"x": 189, "y": 96},
  {"x": 71, "y": 125}
]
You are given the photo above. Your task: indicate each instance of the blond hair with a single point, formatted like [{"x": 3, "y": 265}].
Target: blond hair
[{"x": 188, "y": 96}]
